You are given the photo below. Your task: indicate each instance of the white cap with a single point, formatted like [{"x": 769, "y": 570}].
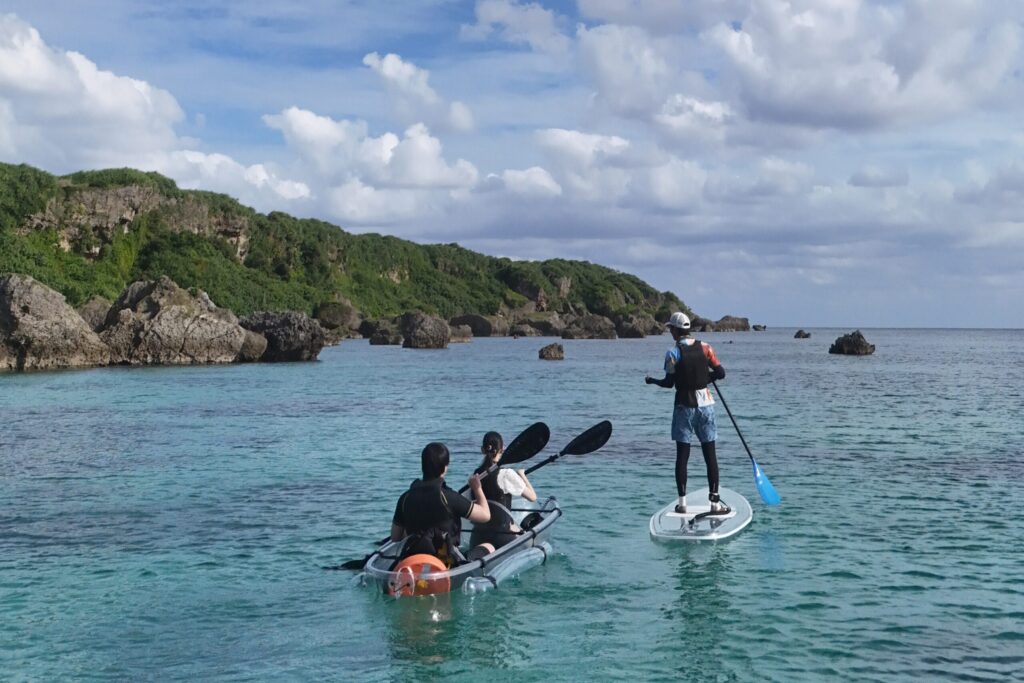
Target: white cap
[{"x": 679, "y": 320}]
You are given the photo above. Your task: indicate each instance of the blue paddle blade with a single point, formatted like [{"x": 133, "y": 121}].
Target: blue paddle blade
[{"x": 764, "y": 487}]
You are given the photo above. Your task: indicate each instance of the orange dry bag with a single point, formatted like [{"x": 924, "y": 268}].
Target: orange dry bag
[{"x": 413, "y": 576}]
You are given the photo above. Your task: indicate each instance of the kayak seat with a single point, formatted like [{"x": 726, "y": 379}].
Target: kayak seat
[{"x": 531, "y": 520}]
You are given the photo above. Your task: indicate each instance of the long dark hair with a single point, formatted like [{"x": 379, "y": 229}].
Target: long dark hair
[
  {"x": 491, "y": 446},
  {"x": 434, "y": 460}
]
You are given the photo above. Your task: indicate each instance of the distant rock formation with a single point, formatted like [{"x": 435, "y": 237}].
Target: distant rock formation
[
  {"x": 94, "y": 312},
  {"x": 853, "y": 344},
  {"x": 483, "y": 326},
  {"x": 589, "y": 326},
  {"x": 338, "y": 315},
  {"x": 732, "y": 323},
  {"x": 699, "y": 324},
  {"x": 760, "y": 328},
  {"x": 422, "y": 331},
  {"x": 39, "y": 330},
  {"x": 800, "y": 334},
  {"x": 552, "y": 352},
  {"x": 291, "y": 336},
  {"x": 546, "y": 325},
  {"x": 159, "y": 323},
  {"x": 461, "y": 334},
  {"x": 637, "y": 326},
  {"x": 385, "y": 334},
  {"x": 524, "y": 330}
]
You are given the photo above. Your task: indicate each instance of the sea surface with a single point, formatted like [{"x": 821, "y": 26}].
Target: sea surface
[{"x": 171, "y": 523}]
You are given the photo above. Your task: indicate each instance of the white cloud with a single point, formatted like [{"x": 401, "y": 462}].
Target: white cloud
[
  {"x": 664, "y": 16},
  {"x": 528, "y": 24},
  {"x": 62, "y": 111},
  {"x": 873, "y": 176},
  {"x": 534, "y": 181},
  {"x": 771, "y": 178},
  {"x": 359, "y": 204},
  {"x": 416, "y": 100},
  {"x": 674, "y": 186},
  {"x": 221, "y": 173},
  {"x": 340, "y": 151},
  {"x": 630, "y": 73},
  {"x": 853, "y": 64},
  {"x": 689, "y": 118}
]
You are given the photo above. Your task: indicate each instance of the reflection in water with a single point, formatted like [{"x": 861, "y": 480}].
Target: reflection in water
[{"x": 420, "y": 627}]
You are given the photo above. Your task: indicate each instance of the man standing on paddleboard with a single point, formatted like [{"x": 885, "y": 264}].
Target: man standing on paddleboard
[{"x": 690, "y": 366}]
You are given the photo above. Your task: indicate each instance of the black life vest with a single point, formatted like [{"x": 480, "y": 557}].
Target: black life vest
[
  {"x": 490, "y": 486},
  {"x": 691, "y": 372},
  {"x": 429, "y": 520}
]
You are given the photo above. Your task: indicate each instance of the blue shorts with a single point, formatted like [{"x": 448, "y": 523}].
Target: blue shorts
[{"x": 690, "y": 422}]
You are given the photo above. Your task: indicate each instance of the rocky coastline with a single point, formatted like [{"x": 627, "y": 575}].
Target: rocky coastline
[
  {"x": 160, "y": 323},
  {"x": 150, "y": 323}
]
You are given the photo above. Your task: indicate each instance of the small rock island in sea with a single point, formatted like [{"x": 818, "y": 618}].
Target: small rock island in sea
[{"x": 853, "y": 344}]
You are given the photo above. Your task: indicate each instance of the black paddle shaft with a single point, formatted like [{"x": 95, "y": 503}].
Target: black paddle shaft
[{"x": 726, "y": 405}]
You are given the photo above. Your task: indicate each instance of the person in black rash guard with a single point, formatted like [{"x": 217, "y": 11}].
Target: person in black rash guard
[
  {"x": 506, "y": 482},
  {"x": 429, "y": 512},
  {"x": 690, "y": 366},
  {"x": 500, "y": 486}
]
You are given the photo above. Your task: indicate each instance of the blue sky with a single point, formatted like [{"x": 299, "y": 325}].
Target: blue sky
[{"x": 803, "y": 162}]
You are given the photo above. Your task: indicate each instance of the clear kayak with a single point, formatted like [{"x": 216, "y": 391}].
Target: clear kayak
[
  {"x": 517, "y": 552},
  {"x": 696, "y": 524}
]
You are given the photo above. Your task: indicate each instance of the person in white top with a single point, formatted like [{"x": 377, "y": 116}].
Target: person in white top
[{"x": 506, "y": 483}]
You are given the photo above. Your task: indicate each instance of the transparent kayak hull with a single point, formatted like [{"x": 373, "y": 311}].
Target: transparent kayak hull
[
  {"x": 668, "y": 525},
  {"x": 522, "y": 552}
]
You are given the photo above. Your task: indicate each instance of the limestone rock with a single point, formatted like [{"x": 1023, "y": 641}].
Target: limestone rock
[
  {"x": 385, "y": 334},
  {"x": 483, "y": 325},
  {"x": 760, "y": 328},
  {"x": 699, "y": 324},
  {"x": 552, "y": 352},
  {"x": 800, "y": 334},
  {"x": 636, "y": 326},
  {"x": 853, "y": 344},
  {"x": 547, "y": 324},
  {"x": 291, "y": 336},
  {"x": 422, "y": 331},
  {"x": 335, "y": 315},
  {"x": 590, "y": 326},
  {"x": 39, "y": 330},
  {"x": 461, "y": 334},
  {"x": 253, "y": 347},
  {"x": 159, "y": 323},
  {"x": 524, "y": 330},
  {"x": 731, "y": 323},
  {"x": 94, "y": 312}
]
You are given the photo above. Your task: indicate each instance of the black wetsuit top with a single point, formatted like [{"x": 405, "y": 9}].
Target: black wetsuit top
[
  {"x": 430, "y": 511},
  {"x": 491, "y": 489}
]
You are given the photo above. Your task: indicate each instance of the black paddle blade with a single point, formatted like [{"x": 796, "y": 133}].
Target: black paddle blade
[
  {"x": 590, "y": 440},
  {"x": 528, "y": 444}
]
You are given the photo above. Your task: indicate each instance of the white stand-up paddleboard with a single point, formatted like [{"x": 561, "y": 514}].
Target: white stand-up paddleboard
[{"x": 693, "y": 525}]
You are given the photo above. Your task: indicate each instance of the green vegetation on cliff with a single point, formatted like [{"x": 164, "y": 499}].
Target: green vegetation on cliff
[{"x": 93, "y": 232}]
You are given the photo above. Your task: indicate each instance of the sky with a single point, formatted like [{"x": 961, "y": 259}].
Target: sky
[{"x": 849, "y": 163}]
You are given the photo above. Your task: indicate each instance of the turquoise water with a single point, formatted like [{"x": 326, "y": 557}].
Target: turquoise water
[{"x": 170, "y": 524}]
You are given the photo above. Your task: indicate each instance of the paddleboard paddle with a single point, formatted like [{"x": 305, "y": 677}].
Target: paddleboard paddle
[{"x": 764, "y": 487}]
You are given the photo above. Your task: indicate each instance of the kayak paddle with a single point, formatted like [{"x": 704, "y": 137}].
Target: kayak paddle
[
  {"x": 528, "y": 444},
  {"x": 587, "y": 442},
  {"x": 764, "y": 487}
]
